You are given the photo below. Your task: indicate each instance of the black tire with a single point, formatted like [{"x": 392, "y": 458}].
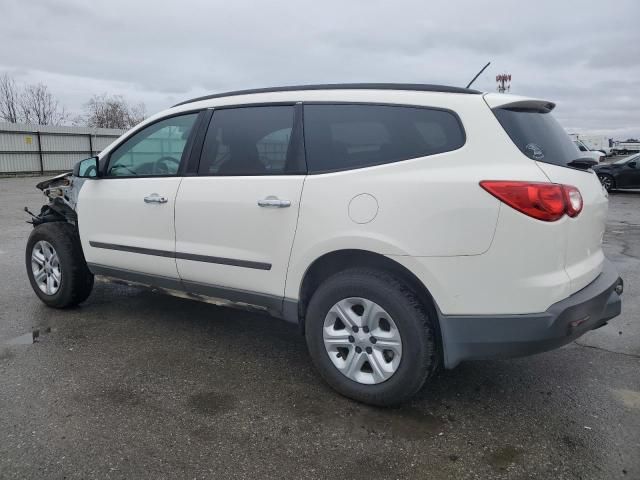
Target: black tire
[
  {"x": 420, "y": 354},
  {"x": 76, "y": 280},
  {"x": 607, "y": 181}
]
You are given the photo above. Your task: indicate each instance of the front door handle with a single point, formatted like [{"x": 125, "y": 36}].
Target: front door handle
[
  {"x": 274, "y": 202},
  {"x": 155, "y": 198}
]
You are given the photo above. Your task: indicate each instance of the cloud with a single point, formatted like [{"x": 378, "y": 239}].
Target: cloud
[{"x": 584, "y": 55}]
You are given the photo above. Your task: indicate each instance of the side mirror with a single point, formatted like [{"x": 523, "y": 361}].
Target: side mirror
[{"x": 87, "y": 168}]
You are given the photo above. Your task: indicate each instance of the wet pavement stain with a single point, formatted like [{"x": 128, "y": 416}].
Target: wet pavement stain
[
  {"x": 408, "y": 423},
  {"x": 367, "y": 467},
  {"x": 405, "y": 423},
  {"x": 26, "y": 339},
  {"x": 502, "y": 458},
  {"x": 121, "y": 396},
  {"x": 573, "y": 443},
  {"x": 212, "y": 403},
  {"x": 6, "y": 354},
  {"x": 629, "y": 398}
]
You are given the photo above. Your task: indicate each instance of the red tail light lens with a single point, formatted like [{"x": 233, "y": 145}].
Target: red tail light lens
[
  {"x": 543, "y": 201},
  {"x": 574, "y": 200}
]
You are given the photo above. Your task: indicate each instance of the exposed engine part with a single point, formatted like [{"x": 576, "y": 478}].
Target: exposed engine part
[{"x": 62, "y": 192}]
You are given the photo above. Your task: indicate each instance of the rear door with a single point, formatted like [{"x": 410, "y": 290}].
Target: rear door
[
  {"x": 539, "y": 136},
  {"x": 126, "y": 217},
  {"x": 236, "y": 219}
]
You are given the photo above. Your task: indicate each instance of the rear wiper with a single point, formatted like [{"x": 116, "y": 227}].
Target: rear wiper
[{"x": 584, "y": 163}]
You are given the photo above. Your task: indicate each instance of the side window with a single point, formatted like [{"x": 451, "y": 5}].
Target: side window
[
  {"x": 155, "y": 150},
  {"x": 339, "y": 137},
  {"x": 249, "y": 141}
]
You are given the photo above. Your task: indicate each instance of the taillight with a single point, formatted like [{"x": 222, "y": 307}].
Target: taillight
[
  {"x": 573, "y": 199},
  {"x": 544, "y": 201}
]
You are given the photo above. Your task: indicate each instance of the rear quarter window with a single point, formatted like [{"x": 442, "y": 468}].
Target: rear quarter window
[
  {"x": 538, "y": 135},
  {"x": 341, "y": 137}
]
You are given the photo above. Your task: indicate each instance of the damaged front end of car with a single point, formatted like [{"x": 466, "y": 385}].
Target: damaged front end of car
[{"x": 62, "y": 192}]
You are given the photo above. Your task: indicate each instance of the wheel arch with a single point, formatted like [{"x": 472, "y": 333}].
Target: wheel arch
[{"x": 338, "y": 260}]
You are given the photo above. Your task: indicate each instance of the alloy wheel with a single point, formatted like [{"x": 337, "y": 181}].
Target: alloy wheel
[
  {"x": 45, "y": 266},
  {"x": 606, "y": 181}
]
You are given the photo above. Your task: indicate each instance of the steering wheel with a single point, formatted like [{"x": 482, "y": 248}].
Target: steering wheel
[{"x": 163, "y": 167}]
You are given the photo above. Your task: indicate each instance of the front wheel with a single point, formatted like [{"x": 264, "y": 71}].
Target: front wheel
[
  {"x": 370, "y": 338},
  {"x": 56, "y": 266},
  {"x": 607, "y": 182}
]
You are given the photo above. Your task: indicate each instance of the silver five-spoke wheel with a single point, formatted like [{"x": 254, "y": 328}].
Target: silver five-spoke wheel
[
  {"x": 46, "y": 267},
  {"x": 362, "y": 340}
]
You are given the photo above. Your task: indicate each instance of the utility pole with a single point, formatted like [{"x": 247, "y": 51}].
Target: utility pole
[{"x": 504, "y": 82}]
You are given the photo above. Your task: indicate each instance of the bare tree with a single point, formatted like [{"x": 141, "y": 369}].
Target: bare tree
[
  {"x": 137, "y": 113},
  {"x": 9, "y": 99},
  {"x": 104, "y": 111},
  {"x": 39, "y": 106}
]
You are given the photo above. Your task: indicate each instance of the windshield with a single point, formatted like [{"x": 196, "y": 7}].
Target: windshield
[
  {"x": 581, "y": 147},
  {"x": 538, "y": 135}
]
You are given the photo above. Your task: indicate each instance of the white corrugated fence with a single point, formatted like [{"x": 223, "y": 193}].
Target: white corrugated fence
[{"x": 42, "y": 149}]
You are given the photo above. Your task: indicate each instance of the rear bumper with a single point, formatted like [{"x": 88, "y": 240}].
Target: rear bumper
[{"x": 473, "y": 337}]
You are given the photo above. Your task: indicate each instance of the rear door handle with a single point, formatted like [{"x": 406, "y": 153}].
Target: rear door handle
[
  {"x": 155, "y": 198},
  {"x": 274, "y": 202}
]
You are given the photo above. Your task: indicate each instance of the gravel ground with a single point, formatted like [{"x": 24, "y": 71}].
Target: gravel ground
[{"x": 134, "y": 384}]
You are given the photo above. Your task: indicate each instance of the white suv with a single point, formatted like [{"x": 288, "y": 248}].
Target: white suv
[{"x": 402, "y": 227}]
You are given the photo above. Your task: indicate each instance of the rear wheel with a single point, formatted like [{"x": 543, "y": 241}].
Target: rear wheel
[
  {"x": 56, "y": 266},
  {"x": 607, "y": 181},
  {"x": 370, "y": 338}
]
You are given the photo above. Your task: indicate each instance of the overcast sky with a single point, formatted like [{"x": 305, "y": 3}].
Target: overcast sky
[{"x": 584, "y": 55}]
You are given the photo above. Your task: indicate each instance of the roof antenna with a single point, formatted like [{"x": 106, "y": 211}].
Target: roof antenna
[{"x": 478, "y": 74}]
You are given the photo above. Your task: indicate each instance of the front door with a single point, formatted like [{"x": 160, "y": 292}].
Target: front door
[
  {"x": 126, "y": 217},
  {"x": 236, "y": 220}
]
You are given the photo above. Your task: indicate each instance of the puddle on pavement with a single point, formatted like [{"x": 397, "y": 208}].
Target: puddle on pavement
[{"x": 28, "y": 338}]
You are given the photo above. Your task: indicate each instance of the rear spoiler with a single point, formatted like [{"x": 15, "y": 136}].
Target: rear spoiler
[{"x": 500, "y": 100}]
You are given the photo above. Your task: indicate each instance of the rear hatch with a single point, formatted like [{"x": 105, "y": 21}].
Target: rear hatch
[{"x": 540, "y": 137}]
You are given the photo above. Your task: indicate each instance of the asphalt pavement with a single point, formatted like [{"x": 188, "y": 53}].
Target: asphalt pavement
[{"x": 134, "y": 384}]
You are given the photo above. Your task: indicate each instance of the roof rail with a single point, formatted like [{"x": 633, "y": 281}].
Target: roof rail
[{"x": 418, "y": 87}]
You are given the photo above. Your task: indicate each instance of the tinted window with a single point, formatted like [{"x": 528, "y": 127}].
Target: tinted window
[
  {"x": 248, "y": 141},
  {"x": 155, "y": 150},
  {"x": 351, "y": 136},
  {"x": 635, "y": 158},
  {"x": 538, "y": 135}
]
